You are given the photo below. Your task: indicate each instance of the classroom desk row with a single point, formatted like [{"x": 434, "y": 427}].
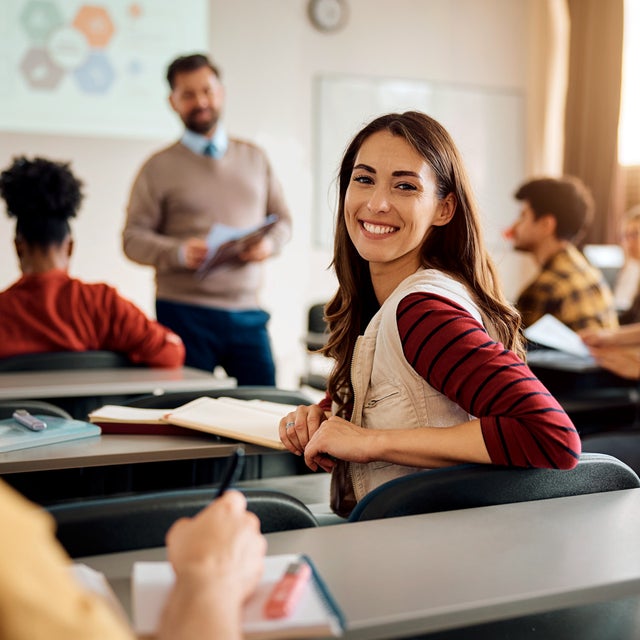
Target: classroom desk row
[
  {"x": 567, "y": 567},
  {"x": 119, "y": 463},
  {"x": 104, "y": 382}
]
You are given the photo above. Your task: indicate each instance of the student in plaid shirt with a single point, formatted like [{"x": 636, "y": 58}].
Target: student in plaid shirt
[{"x": 555, "y": 214}]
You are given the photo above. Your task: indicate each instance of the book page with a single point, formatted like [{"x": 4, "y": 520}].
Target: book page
[
  {"x": 115, "y": 413},
  {"x": 238, "y": 420}
]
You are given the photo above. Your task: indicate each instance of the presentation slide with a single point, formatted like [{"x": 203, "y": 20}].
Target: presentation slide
[{"x": 96, "y": 69}]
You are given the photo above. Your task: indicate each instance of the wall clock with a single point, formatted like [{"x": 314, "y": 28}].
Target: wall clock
[{"x": 328, "y": 15}]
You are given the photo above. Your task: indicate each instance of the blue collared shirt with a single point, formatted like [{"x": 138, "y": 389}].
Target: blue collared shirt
[{"x": 197, "y": 142}]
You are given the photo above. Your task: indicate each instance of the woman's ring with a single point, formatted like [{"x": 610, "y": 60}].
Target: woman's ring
[{"x": 289, "y": 424}]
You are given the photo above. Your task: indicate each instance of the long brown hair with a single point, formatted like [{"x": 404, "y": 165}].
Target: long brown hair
[{"x": 456, "y": 248}]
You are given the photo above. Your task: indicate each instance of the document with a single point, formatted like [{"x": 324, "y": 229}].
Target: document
[
  {"x": 316, "y": 614},
  {"x": 550, "y": 332},
  {"x": 225, "y": 243}
]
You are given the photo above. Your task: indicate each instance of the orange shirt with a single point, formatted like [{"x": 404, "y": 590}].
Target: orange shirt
[
  {"x": 53, "y": 312},
  {"x": 38, "y": 596}
]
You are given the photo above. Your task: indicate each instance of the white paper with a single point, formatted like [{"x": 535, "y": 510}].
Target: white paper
[{"x": 550, "y": 332}]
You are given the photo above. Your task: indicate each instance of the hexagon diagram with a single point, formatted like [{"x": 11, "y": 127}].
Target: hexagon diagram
[
  {"x": 40, "y": 70},
  {"x": 96, "y": 24},
  {"x": 39, "y": 18},
  {"x": 96, "y": 75}
]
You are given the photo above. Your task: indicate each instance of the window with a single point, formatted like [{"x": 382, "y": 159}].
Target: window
[{"x": 629, "y": 128}]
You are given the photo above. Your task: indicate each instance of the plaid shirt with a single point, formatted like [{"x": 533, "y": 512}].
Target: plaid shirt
[{"x": 570, "y": 289}]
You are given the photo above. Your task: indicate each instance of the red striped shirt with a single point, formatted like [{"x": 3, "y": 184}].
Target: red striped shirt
[{"x": 522, "y": 424}]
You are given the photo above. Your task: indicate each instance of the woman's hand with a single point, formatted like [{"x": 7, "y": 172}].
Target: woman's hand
[
  {"x": 338, "y": 438},
  {"x": 297, "y": 428}
]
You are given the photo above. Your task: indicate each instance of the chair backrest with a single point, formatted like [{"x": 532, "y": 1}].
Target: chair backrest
[
  {"x": 316, "y": 327},
  {"x": 624, "y": 445},
  {"x": 65, "y": 360},
  {"x": 173, "y": 400},
  {"x": 7, "y": 407},
  {"x": 472, "y": 485},
  {"x": 125, "y": 523}
]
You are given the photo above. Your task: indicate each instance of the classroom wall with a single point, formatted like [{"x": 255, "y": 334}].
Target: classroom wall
[{"x": 270, "y": 54}]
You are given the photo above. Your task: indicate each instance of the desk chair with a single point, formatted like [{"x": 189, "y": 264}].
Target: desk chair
[
  {"x": 125, "y": 523},
  {"x": 49, "y": 361},
  {"x": 177, "y": 399},
  {"x": 77, "y": 407},
  {"x": 314, "y": 340},
  {"x": 473, "y": 485},
  {"x": 624, "y": 445}
]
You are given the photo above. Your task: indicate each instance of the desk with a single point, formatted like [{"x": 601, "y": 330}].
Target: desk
[
  {"x": 110, "y": 450},
  {"x": 111, "y": 464},
  {"x": 595, "y": 399},
  {"x": 421, "y": 574},
  {"x": 105, "y": 382}
]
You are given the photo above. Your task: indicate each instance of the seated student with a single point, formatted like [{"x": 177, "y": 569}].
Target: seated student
[
  {"x": 617, "y": 350},
  {"x": 555, "y": 213},
  {"x": 436, "y": 379},
  {"x": 48, "y": 310},
  {"x": 628, "y": 278},
  {"x": 217, "y": 557}
]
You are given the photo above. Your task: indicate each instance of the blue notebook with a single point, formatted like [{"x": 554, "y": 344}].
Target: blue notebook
[{"x": 14, "y": 436}]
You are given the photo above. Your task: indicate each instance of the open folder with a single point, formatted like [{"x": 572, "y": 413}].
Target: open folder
[
  {"x": 316, "y": 614},
  {"x": 225, "y": 243}
]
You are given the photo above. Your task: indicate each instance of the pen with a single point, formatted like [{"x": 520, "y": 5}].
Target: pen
[
  {"x": 233, "y": 470},
  {"x": 23, "y": 417}
]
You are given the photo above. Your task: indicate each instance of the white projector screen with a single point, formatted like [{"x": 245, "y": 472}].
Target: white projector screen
[{"x": 94, "y": 68}]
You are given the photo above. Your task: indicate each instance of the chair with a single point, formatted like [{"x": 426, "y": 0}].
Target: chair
[
  {"x": 314, "y": 340},
  {"x": 125, "y": 523},
  {"x": 472, "y": 485},
  {"x": 173, "y": 400},
  {"x": 50, "y": 361},
  {"x": 76, "y": 406},
  {"x": 7, "y": 407},
  {"x": 624, "y": 445}
]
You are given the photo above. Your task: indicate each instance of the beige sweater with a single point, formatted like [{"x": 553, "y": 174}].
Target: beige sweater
[{"x": 179, "y": 194}]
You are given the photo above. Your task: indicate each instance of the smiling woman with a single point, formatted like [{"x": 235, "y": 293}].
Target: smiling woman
[{"x": 429, "y": 383}]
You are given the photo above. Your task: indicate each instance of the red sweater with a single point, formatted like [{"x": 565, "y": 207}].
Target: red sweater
[
  {"x": 522, "y": 424},
  {"x": 54, "y": 312}
]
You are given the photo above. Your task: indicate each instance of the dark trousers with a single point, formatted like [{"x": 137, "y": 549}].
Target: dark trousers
[{"x": 237, "y": 341}]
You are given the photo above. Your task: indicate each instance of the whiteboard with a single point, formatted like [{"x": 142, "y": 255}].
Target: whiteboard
[
  {"x": 487, "y": 126},
  {"x": 97, "y": 69}
]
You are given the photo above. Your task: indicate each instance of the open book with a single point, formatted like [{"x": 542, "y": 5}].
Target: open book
[
  {"x": 253, "y": 421},
  {"x": 316, "y": 615},
  {"x": 225, "y": 243}
]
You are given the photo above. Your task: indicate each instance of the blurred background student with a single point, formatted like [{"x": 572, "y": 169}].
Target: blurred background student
[
  {"x": 628, "y": 279},
  {"x": 47, "y": 310},
  {"x": 555, "y": 213}
]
